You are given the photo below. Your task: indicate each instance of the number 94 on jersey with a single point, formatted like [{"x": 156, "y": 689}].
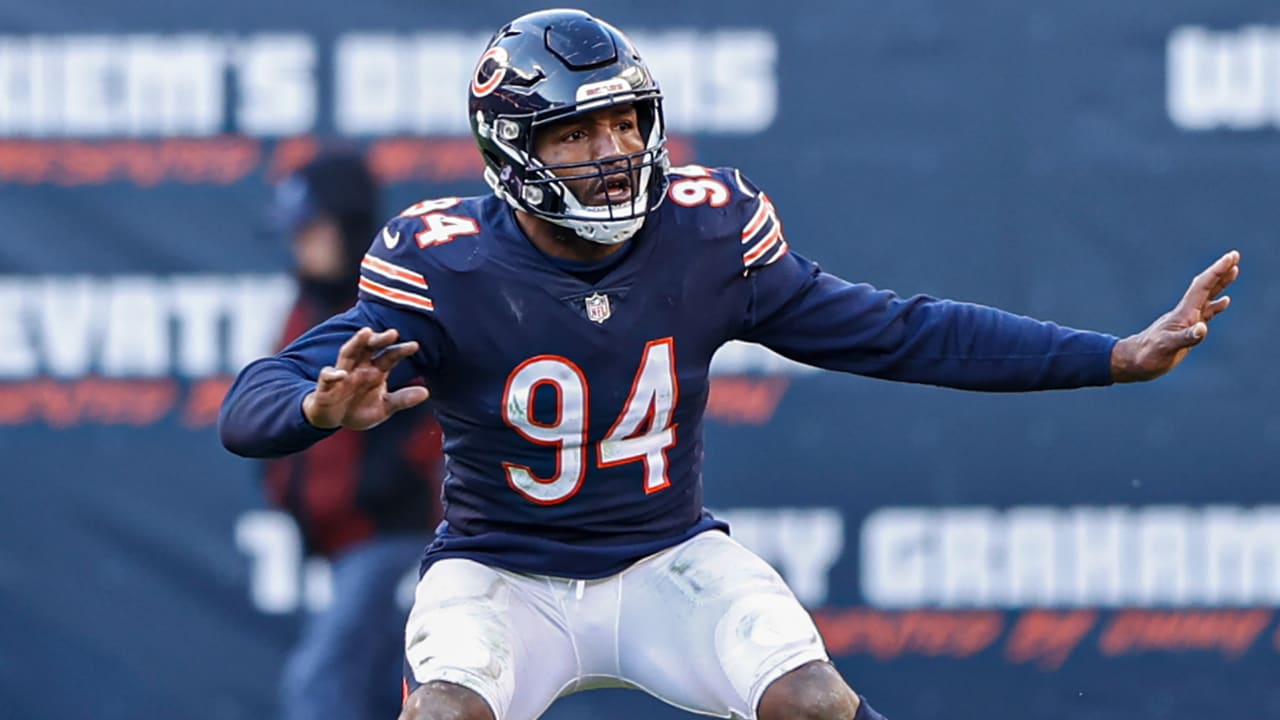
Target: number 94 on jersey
[{"x": 643, "y": 431}]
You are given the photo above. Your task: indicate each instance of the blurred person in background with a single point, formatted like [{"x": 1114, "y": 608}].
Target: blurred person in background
[{"x": 365, "y": 501}]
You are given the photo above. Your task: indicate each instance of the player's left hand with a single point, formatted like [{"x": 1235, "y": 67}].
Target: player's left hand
[{"x": 1158, "y": 349}]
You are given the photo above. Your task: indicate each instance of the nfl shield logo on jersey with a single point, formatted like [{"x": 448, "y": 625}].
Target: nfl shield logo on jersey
[{"x": 598, "y": 308}]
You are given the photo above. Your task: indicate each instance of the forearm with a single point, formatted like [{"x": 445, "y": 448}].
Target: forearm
[
  {"x": 834, "y": 324},
  {"x": 262, "y": 415},
  {"x": 975, "y": 347}
]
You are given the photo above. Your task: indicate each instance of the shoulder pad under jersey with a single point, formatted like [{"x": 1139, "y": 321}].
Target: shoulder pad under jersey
[
  {"x": 750, "y": 215},
  {"x": 427, "y": 238}
]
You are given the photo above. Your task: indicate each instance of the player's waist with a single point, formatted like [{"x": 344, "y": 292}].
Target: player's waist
[
  {"x": 569, "y": 532},
  {"x": 583, "y": 556}
]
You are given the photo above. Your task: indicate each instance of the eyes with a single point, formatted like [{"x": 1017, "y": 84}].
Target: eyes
[{"x": 580, "y": 134}]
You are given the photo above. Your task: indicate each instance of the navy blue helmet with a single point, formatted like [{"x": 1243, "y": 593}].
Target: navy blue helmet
[{"x": 548, "y": 66}]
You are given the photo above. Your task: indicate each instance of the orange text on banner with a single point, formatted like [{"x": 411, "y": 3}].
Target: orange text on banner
[
  {"x": 1230, "y": 632},
  {"x": 1048, "y": 638},
  {"x": 64, "y": 404},
  {"x": 888, "y": 635}
]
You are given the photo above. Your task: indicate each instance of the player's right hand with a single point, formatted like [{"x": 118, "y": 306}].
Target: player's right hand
[{"x": 353, "y": 394}]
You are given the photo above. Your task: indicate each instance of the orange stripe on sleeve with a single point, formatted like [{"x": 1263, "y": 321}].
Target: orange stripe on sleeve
[
  {"x": 398, "y": 297},
  {"x": 395, "y": 272}
]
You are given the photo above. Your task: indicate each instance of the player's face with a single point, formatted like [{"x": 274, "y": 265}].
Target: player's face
[{"x": 595, "y": 136}]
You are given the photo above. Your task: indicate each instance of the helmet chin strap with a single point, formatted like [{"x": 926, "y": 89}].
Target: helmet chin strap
[{"x": 606, "y": 233}]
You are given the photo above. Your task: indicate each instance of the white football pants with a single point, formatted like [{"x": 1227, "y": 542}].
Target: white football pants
[{"x": 705, "y": 626}]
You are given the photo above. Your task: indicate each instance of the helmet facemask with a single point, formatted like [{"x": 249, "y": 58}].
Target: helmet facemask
[{"x": 534, "y": 187}]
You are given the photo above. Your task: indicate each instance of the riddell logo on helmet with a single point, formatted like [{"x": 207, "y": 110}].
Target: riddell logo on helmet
[{"x": 605, "y": 87}]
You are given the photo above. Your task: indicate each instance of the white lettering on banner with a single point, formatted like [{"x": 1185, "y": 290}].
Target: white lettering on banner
[
  {"x": 66, "y": 323},
  {"x": 259, "y": 306},
  {"x": 386, "y": 84},
  {"x": 1099, "y": 539},
  {"x": 1225, "y": 79},
  {"x": 155, "y": 85},
  {"x": 281, "y": 579},
  {"x": 136, "y": 338},
  {"x": 368, "y": 86},
  {"x": 1158, "y": 556},
  {"x": 277, "y": 84},
  {"x": 193, "y": 326},
  {"x": 274, "y": 547},
  {"x": 173, "y": 86},
  {"x": 17, "y": 355},
  {"x": 441, "y": 62},
  {"x": 199, "y": 305},
  {"x": 138, "y": 326},
  {"x": 721, "y": 82},
  {"x": 716, "y": 82},
  {"x": 97, "y": 85},
  {"x": 801, "y": 543},
  {"x": 143, "y": 85}
]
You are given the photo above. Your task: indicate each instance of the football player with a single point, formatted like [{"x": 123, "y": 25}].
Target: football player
[{"x": 565, "y": 325}]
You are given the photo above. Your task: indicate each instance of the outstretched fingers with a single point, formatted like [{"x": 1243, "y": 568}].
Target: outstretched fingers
[
  {"x": 349, "y": 353},
  {"x": 380, "y": 341},
  {"x": 329, "y": 378},
  {"x": 1213, "y": 308},
  {"x": 1225, "y": 279},
  {"x": 1193, "y": 335},
  {"x": 362, "y": 346},
  {"x": 405, "y": 398},
  {"x": 393, "y": 354},
  {"x": 1212, "y": 281}
]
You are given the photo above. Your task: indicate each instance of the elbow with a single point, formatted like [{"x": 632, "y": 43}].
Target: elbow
[
  {"x": 233, "y": 435},
  {"x": 238, "y": 430},
  {"x": 235, "y": 443},
  {"x": 260, "y": 416}
]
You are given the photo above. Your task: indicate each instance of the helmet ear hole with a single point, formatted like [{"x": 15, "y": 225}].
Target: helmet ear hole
[{"x": 507, "y": 129}]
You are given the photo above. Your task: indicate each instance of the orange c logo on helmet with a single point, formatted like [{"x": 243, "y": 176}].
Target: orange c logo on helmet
[{"x": 499, "y": 57}]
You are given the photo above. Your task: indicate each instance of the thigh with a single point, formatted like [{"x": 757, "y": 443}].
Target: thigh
[
  {"x": 493, "y": 632},
  {"x": 708, "y": 625}
]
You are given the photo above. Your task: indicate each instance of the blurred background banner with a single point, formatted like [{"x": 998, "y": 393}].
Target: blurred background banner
[{"x": 1092, "y": 555}]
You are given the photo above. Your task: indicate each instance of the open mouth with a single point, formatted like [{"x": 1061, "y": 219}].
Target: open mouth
[{"x": 613, "y": 189}]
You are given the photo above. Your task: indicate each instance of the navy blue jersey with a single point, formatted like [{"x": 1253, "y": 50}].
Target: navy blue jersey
[{"x": 572, "y": 410}]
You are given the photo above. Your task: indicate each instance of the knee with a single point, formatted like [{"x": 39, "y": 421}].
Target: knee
[
  {"x": 445, "y": 701},
  {"x": 810, "y": 692}
]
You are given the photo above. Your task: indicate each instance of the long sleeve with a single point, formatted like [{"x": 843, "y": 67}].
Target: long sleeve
[
  {"x": 819, "y": 319},
  {"x": 262, "y": 415}
]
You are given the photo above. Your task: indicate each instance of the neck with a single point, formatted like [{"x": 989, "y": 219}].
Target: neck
[{"x": 561, "y": 242}]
